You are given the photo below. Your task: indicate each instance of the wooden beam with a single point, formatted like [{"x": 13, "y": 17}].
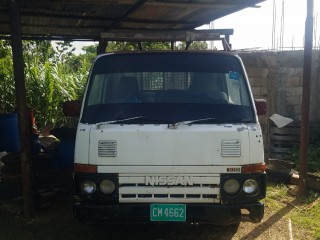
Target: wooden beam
[
  {"x": 173, "y": 35},
  {"x": 311, "y": 182},
  {"x": 131, "y": 10},
  {"x": 188, "y": 4},
  {"x": 305, "y": 105},
  {"x": 76, "y": 2},
  {"x": 160, "y": 3},
  {"x": 54, "y": 38},
  {"x": 23, "y": 116}
]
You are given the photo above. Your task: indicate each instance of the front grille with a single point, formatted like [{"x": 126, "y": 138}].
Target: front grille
[
  {"x": 230, "y": 148},
  {"x": 107, "y": 148},
  {"x": 133, "y": 188}
]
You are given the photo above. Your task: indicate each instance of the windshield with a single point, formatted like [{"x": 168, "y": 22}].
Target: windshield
[{"x": 166, "y": 88}]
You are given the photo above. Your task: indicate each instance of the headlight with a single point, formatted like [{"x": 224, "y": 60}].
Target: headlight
[
  {"x": 88, "y": 187},
  {"x": 250, "y": 186},
  {"x": 107, "y": 186},
  {"x": 231, "y": 186}
]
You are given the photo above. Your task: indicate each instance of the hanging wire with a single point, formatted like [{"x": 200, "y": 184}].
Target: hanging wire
[
  {"x": 274, "y": 15},
  {"x": 315, "y": 30},
  {"x": 282, "y": 26}
]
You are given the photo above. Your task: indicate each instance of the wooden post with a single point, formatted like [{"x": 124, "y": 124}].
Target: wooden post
[
  {"x": 305, "y": 105},
  {"x": 102, "y": 46},
  {"x": 172, "y": 45},
  {"x": 140, "y": 46},
  {"x": 23, "y": 116},
  {"x": 188, "y": 43}
]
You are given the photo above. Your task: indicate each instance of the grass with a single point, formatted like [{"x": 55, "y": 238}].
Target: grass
[{"x": 304, "y": 212}]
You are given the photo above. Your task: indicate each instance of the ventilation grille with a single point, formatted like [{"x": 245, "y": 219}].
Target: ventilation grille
[
  {"x": 231, "y": 148},
  {"x": 205, "y": 189},
  {"x": 107, "y": 148}
]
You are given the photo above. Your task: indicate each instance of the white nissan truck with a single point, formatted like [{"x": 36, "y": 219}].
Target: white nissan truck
[{"x": 169, "y": 136}]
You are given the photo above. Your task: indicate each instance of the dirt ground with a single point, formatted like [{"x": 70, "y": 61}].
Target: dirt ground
[{"x": 55, "y": 221}]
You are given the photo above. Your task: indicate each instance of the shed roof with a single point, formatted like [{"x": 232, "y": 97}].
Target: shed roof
[{"x": 87, "y": 19}]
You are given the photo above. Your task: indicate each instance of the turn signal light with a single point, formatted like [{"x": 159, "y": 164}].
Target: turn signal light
[
  {"x": 254, "y": 168},
  {"x": 85, "y": 168}
]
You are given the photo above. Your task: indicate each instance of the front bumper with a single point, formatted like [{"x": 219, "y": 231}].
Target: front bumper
[{"x": 201, "y": 213}]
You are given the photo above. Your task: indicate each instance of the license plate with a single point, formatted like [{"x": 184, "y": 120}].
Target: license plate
[{"x": 168, "y": 212}]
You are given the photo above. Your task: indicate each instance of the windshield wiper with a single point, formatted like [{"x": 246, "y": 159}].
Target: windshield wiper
[
  {"x": 119, "y": 120},
  {"x": 175, "y": 125}
]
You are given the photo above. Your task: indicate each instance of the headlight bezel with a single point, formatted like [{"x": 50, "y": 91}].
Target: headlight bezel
[
  {"x": 97, "y": 196},
  {"x": 246, "y": 185},
  {"x": 234, "y": 183},
  {"x": 107, "y": 181},
  {"x": 241, "y": 196},
  {"x": 88, "y": 182}
]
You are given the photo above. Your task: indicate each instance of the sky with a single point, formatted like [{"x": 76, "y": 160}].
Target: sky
[{"x": 253, "y": 27}]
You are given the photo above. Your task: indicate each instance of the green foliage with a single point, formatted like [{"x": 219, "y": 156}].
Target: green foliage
[
  {"x": 121, "y": 46},
  {"x": 147, "y": 46},
  {"x": 200, "y": 45},
  {"x": 156, "y": 46},
  {"x": 304, "y": 211},
  {"x": 313, "y": 158},
  {"x": 79, "y": 64},
  {"x": 7, "y": 89},
  {"x": 52, "y": 77},
  {"x": 64, "y": 50},
  {"x": 313, "y": 152}
]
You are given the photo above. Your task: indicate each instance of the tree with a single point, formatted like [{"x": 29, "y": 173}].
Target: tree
[
  {"x": 51, "y": 79},
  {"x": 199, "y": 45},
  {"x": 121, "y": 46},
  {"x": 7, "y": 89},
  {"x": 132, "y": 46}
]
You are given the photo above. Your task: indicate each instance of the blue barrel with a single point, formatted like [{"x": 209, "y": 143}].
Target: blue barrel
[{"x": 9, "y": 133}]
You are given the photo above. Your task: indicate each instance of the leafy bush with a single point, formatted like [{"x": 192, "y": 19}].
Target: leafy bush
[
  {"x": 313, "y": 152},
  {"x": 7, "y": 89},
  {"x": 50, "y": 80}
]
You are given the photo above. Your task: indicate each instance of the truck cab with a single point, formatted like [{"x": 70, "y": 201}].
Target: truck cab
[{"x": 169, "y": 136}]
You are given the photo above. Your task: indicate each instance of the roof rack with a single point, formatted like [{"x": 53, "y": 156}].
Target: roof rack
[{"x": 172, "y": 36}]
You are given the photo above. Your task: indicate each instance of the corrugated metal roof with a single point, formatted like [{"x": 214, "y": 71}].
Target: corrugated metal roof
[{"x": 85, "y": 19}]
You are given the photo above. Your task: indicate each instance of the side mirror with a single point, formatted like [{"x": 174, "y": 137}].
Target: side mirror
[
  {"x": 261, "y": 106},
  {"x": 71, "y": 108}
]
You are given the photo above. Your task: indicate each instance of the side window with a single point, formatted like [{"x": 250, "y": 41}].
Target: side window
[
  {"x": 98, "y": 90},
  {"x": 237, "y": 89},
  {"x": 96, "y": 93}
]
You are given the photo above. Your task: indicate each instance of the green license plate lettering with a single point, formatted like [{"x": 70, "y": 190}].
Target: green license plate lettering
[{"x": 168, "y": 212}]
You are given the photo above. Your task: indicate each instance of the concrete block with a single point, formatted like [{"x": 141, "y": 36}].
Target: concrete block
[
  {"x": 264, "y": 72},
  {"x": 290, "y": 72},
  {"x": 251, "y": 81},
  {"x": 292, "y": 59},
  {"x": 298, "y": 72},
  {"x": 294, "y": 91},
  {"x": 257, "y": 72},
  {"x": 260, "y": 82},
  {"x": 298, "y": 117},
  {"x": 297, "y": 109},
  {"x": 264, "y": 91},
  {"x": 256, "y": 91},
  {"x": 294, "y": 82},
  {"x": 293, "y": 100}
]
